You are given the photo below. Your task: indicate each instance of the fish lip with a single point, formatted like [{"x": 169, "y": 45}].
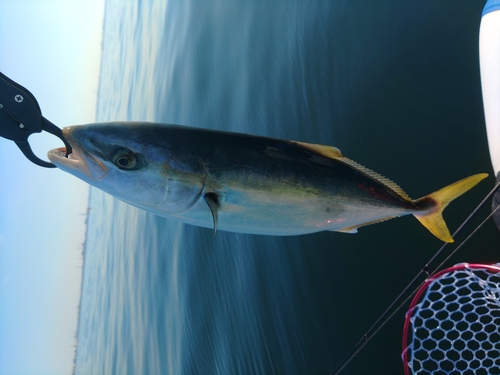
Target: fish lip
[
  {"x": 78, "y": 159},
  {"x": 73, "y": 161}
]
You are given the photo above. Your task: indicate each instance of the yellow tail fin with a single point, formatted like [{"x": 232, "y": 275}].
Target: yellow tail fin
[{"x": 432, "y": 219}]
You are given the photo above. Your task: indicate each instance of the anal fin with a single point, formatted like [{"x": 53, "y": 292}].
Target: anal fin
[
  {"x": 354, "y": 228},
  {"x": 213, "y": 203},
  {"x": 350, "y": 230}
]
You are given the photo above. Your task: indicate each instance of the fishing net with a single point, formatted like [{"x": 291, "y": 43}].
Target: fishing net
[{"x": 453, "y": 323}]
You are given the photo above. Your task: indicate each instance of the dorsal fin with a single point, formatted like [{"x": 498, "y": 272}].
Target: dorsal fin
[
  {"x": 327, "y": 151},
  {"x": 334, "y": 153}
]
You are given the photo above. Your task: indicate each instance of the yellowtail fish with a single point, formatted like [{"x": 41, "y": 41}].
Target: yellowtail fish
[{"x": 242, "y": 183}]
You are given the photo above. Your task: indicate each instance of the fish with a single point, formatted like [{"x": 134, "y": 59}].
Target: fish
[{"x": 243, "y": 183}]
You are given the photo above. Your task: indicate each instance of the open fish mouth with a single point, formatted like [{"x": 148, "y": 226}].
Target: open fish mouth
[
  {"x": 79, "y": 162},
  {"x": 74, "y": 162}
]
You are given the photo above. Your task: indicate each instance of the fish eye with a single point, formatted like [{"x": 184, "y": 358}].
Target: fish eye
[{"x": 125, "y": 159}]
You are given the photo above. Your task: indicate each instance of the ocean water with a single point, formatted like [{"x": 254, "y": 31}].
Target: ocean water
[{"x": 394, "y": 84}]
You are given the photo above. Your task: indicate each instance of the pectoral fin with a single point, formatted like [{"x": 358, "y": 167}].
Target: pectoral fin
[{"x": 213, "y": 203}]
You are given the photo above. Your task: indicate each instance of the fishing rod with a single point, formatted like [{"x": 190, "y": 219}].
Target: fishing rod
[{"x": 403, "y": 297}]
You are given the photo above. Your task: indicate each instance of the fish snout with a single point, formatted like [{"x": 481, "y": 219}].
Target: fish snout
[{"x": 80, "y": 161}]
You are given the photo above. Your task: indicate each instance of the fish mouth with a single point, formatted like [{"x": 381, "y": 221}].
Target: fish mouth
[{"x": 79, "y": 162}]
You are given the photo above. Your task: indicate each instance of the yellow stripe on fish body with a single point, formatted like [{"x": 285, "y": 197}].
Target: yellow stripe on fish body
[{"x": 243, "y": 183}]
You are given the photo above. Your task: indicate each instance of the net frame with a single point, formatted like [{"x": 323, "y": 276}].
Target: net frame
[{"x": 420, "y": 299}]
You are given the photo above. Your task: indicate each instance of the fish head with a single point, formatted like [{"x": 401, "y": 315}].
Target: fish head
[{"x": 130, "y": 162}]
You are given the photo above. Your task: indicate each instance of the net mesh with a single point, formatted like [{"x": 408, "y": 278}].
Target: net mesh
[{"x": 455, "y": 327}]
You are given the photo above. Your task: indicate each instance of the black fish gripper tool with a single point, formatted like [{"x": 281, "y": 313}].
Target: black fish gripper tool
[{"x": 20, "y": 116}]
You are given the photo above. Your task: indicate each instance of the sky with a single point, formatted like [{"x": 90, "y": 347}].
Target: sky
[{"x": 53, "y": 48}]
